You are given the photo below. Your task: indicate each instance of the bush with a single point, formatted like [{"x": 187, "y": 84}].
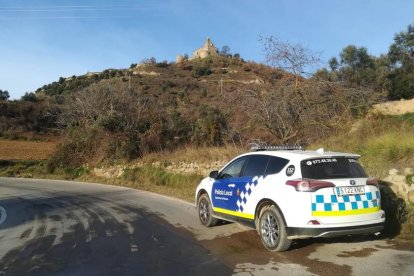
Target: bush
[
  {"x": 112, "y": 122},
  {"x": 162, "y": 64},
  {"x": 407, "y": 117},
  {"x": 22, "y": 168},
  {"x": 76, "y": 172},
  {"x": 201, "y": 71},
  {"x": 210, "y": 127}
]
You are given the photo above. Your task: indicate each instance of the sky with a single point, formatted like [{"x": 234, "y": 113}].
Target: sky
[{"x": 42, "y": 40}]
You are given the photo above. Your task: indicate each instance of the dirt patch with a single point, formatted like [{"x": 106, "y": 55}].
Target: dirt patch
[
  {"x": 360, "y": 253},
  {"x": 246, "y": 247},
  {"x": 398, "y": 245},
  {"x": 26, "y": 150},
  {"x": 394, "y": 107}
]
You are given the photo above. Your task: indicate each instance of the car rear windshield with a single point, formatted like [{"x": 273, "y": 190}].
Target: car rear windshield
[{"x": 332, "y": 168}]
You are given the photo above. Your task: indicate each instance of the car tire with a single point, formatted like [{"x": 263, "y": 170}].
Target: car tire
[
  {"x": 272, "y": 230},
  {"x": 205, "y": 211}
]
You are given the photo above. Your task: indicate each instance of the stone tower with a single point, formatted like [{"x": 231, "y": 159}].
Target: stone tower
[{"x": 208, "y": 49}]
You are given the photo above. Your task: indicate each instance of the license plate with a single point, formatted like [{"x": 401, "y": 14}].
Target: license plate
[{"x": 351, "y": 190}]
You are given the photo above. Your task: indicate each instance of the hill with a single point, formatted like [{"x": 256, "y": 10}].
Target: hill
[
  {"x": 180, "y": 87},
  {"x": 122, "y": 114}
]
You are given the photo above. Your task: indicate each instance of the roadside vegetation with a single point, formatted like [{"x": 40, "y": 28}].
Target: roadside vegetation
[{"x": 384, "y": 142}]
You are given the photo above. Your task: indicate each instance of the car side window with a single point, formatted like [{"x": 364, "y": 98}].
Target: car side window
[
  {"x": 234, "y": 169},
  {"x": 256, "y": 165},
  {"x": 275, "y": 165}
]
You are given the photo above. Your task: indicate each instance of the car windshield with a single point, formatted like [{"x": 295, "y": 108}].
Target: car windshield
[{"x": 332, "y": 168}]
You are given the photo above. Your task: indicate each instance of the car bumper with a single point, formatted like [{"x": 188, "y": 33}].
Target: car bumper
[{"x": 302, "y": 233}]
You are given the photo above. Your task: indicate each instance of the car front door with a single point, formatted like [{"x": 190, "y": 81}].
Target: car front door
[
  {"x": 224, "y": 187},
  {"x": 236, "y": 182}
]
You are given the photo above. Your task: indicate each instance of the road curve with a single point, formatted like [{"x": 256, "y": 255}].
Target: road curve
[
  {"x": 60, "y": 227},
  {"x": 72, "y": 228}
]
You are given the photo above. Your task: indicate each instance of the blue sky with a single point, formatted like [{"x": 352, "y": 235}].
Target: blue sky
[{"x": 42, "y": 40}]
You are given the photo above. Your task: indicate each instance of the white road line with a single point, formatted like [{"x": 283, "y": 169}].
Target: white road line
[{"x": 3, "y": 215}]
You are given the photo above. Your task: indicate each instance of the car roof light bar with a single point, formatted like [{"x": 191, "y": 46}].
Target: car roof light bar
[{"x": 283, "y": 147}]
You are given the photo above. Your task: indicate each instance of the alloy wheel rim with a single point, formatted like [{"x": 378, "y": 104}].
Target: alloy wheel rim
[
  {"x": 204, "y": 211},
  {"x": 270, "y": 230}
]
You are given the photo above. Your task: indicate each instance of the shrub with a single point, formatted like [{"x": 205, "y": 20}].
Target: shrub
[
  {"x": 201, "y": 71},
  {"x": 162, "y": 64},
  {"x": 409, "y": 179},
  {"x": 112, "y": 122}
]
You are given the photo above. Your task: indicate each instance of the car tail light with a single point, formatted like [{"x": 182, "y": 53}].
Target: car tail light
[
  {"x": 309, "y": 185},
  {"x": 372, "y": 181}
]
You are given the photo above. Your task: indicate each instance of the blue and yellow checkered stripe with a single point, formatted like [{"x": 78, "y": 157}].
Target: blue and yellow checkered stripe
[{"x": 333, "y": 205}]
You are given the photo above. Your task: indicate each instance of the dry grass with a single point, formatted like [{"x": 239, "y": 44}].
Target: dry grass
[
  {"x": 26, "y": 150},
  {"x": 407, "y": 231},
  {"x": 194, "y": 154},
  {"x": 383, "y": 143},
  {"x": 152, "y": 179}
]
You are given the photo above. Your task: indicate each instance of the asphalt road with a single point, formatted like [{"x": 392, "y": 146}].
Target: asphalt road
[{"x": 71, "y": 228}]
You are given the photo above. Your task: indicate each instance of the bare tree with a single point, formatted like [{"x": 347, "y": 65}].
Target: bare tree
[
  {"x": 113, "y": 105},
  {"x": 276, "y": 114},
  {"x": 108, "y": 120},
  {"x": 283, "y": 113},
  {"x": 293, "y": 58}
]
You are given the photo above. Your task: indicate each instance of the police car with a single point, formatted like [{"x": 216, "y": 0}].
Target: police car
[{"x": 288, "y": 193}]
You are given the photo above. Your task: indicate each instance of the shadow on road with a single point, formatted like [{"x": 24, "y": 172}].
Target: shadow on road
[{"x": 94, "y": 234}]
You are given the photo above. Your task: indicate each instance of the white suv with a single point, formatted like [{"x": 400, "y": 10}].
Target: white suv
[{"x": 287, "y": 193}]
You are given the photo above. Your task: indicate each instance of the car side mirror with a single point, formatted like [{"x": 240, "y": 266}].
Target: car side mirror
[{"x": 214, "y": 174}]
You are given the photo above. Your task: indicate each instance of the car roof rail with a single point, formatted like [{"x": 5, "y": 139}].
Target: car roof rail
[{"x": 261, "y": 147}]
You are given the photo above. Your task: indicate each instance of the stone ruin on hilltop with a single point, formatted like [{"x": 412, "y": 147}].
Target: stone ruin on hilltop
[{"x": 207, "y": 50}]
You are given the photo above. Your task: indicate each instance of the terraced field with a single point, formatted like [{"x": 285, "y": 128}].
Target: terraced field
[{"x": 26, "y": 150}]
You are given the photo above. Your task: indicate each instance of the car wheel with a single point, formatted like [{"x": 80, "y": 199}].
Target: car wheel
[
  {"x": 272, "y": 230},
  {"x": 205, "y": 212}
]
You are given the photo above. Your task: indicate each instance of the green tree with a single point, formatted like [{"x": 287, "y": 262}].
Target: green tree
[
  {"x": 356, "y": 67},
  {"x": 356, "y": 58},
  {"x": 29, "y": 97},
  {"x": 333, "y": 64},
  {"x": 225, "y": 50},
  {"x": 401, "y": 52},
  {"x": 4, "y": 95},
  {"x": 401, "y": 57}
]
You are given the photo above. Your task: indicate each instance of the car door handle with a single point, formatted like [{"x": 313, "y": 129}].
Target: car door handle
[{"x": 232, "y": 185}]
